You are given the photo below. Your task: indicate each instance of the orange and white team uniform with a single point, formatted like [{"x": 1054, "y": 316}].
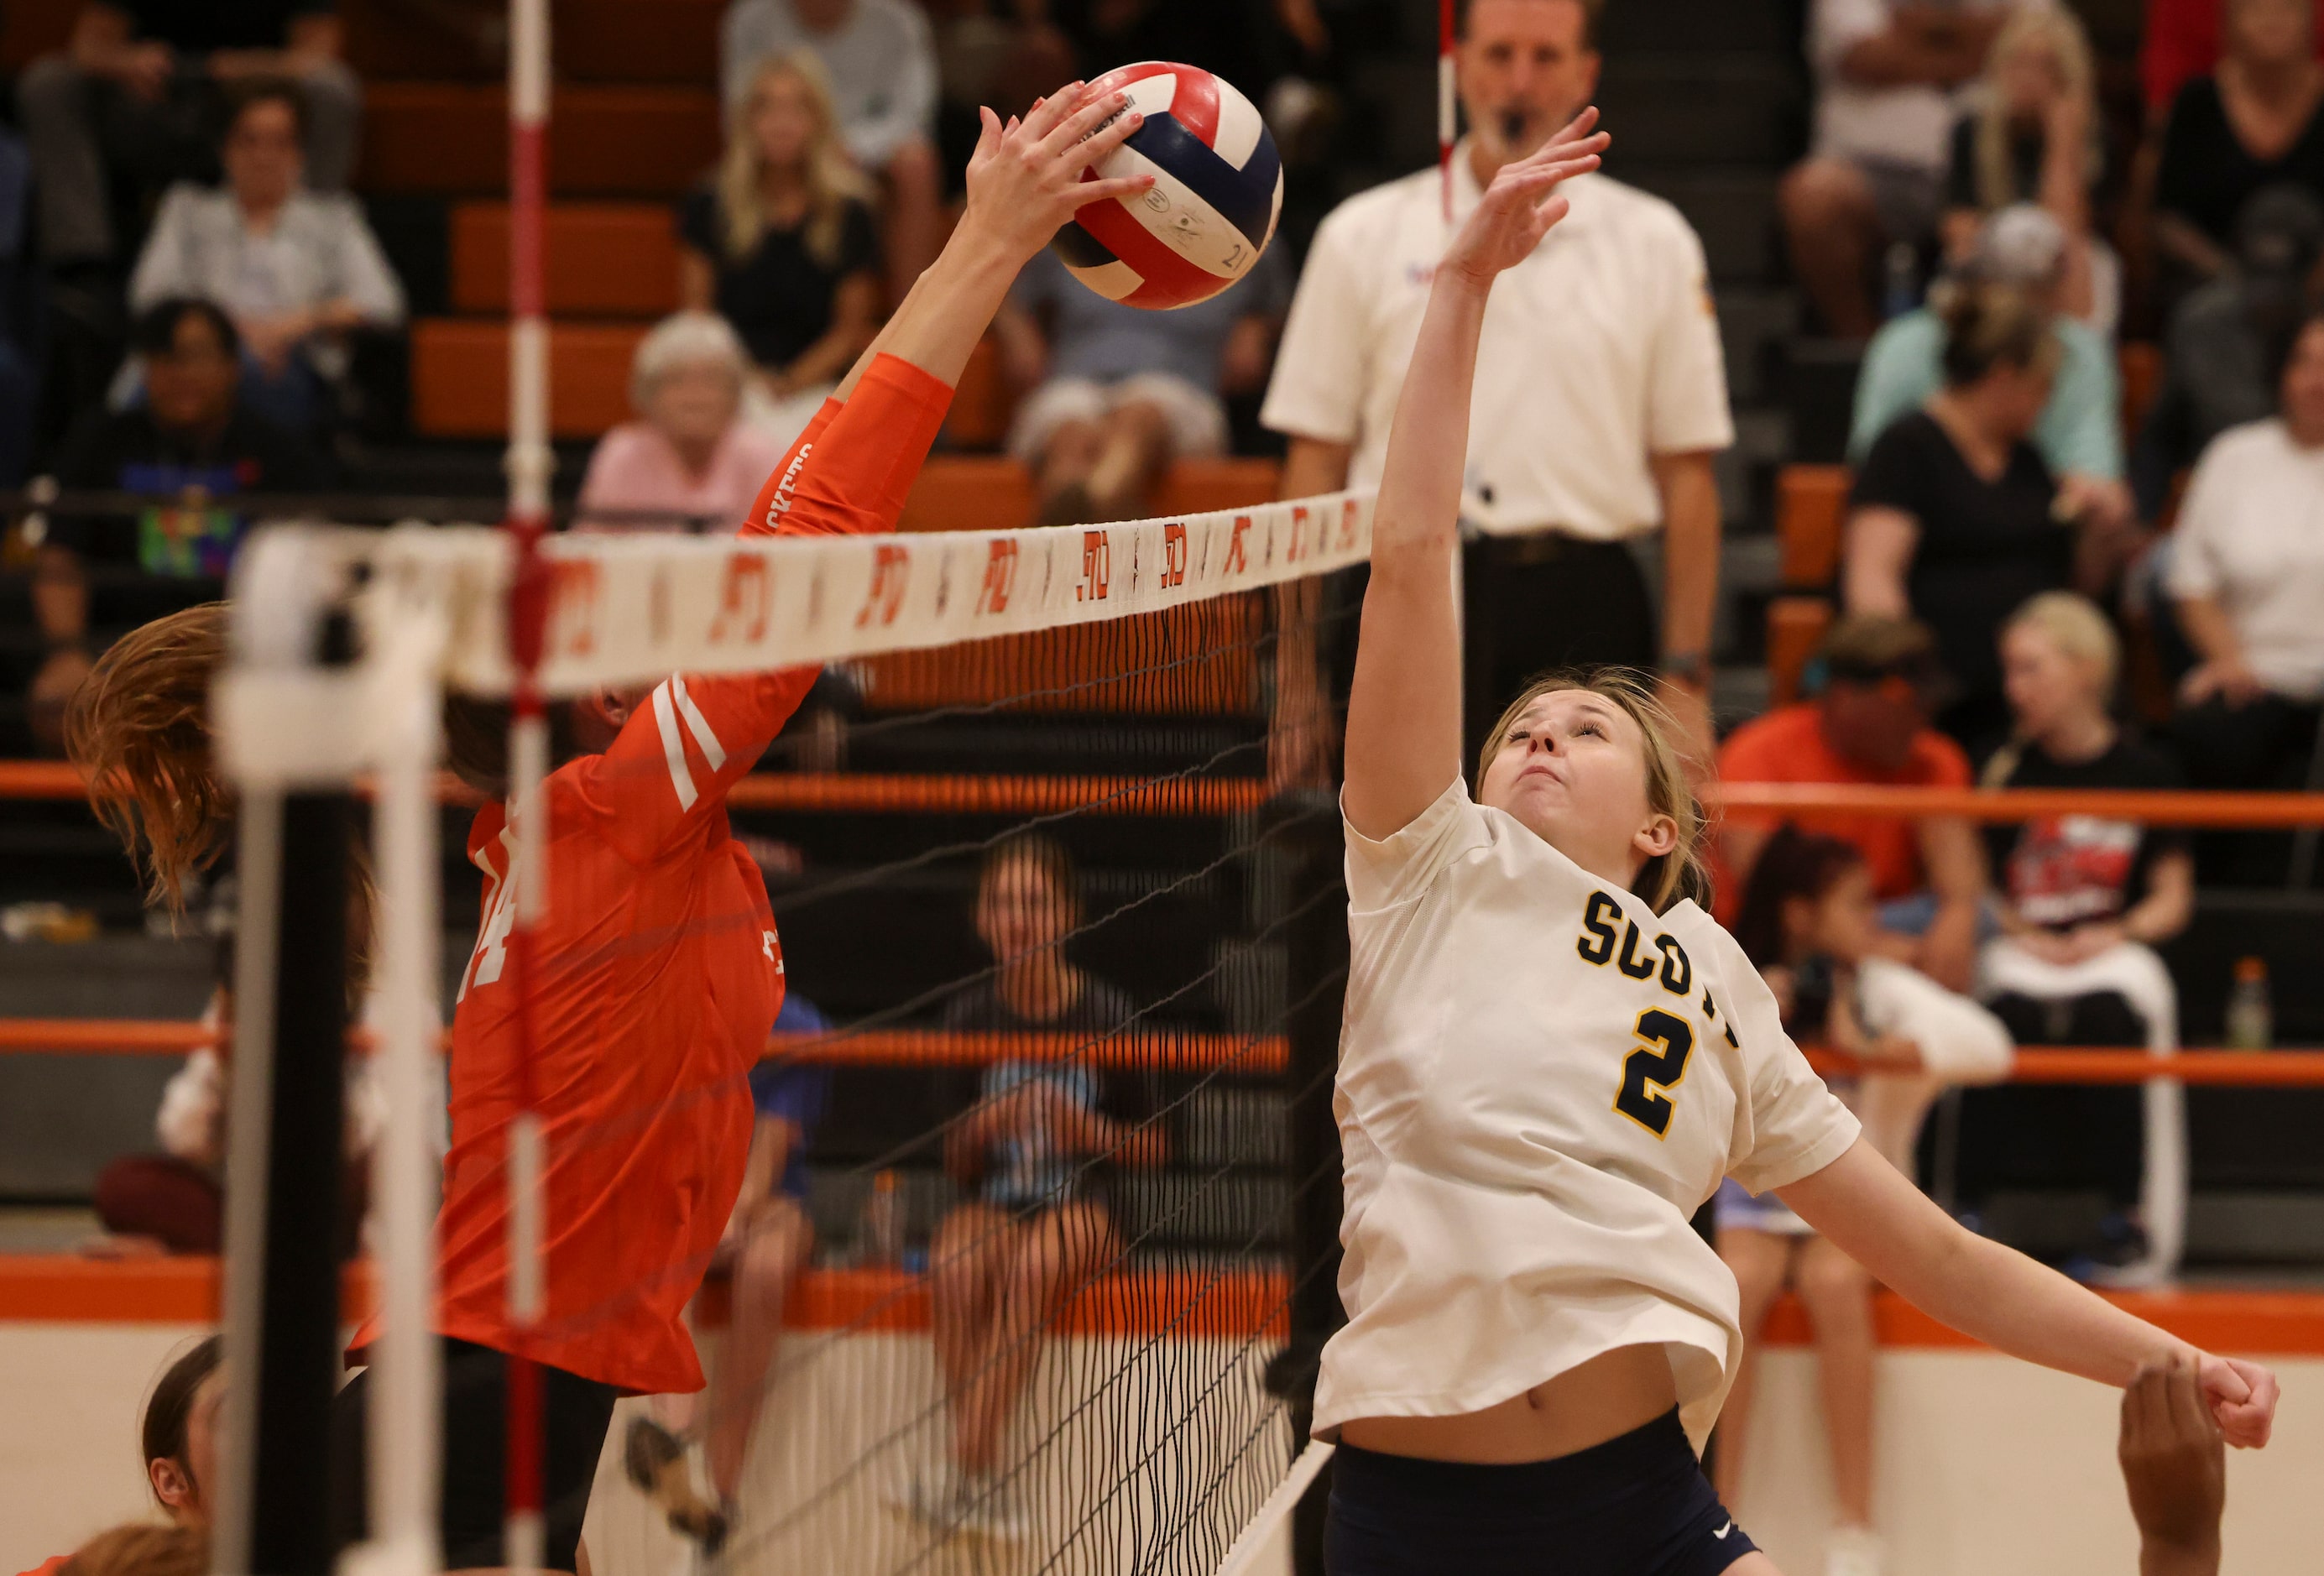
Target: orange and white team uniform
[{"x": 659, "y": 974}]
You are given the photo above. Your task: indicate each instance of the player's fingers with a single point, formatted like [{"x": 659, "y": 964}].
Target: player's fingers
[
  {"x": 2191, "y": 1416},
  {"x": 1121, "y": 186},
  {"x": 1574, "y": 130},
  {"x": 1043, "y": 118},
  {"x": 1084, "y": 123},
  {"x": 2223, "y": 1378},
  {"x": 1558, "y": 148},
  {"x": 2248, "y": 1423},
  {"x": 989, "y": 132},
  {"x": 2141, "y": 1399}
]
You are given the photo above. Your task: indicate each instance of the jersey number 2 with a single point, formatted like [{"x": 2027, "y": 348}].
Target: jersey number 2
[{"x": 1655, "y": 1066}]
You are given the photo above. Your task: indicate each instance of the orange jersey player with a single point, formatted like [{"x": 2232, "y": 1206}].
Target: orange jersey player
[{"x": 659, "y": 970}]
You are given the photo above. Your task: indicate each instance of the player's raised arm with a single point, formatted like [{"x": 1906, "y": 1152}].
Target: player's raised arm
[{"x": 1403, "y": 710}]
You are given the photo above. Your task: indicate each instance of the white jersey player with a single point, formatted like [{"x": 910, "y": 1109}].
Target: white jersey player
[{"x": 1552, "y": 1056}]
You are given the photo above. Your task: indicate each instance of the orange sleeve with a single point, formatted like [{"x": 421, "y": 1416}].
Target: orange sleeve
[
  {"x": 851, "y": 471},
  {"x": 688, "y": 743}
]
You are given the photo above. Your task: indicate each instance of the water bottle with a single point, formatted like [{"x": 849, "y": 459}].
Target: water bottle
[
  {"x": 879, "y": 1235},
  {"x": 1903, "y": 272},
  {"x": 2251, "y": 1017}
]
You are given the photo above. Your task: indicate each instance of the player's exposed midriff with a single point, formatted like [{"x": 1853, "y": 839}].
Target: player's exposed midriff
[{"x": 1603, "y": 1398}]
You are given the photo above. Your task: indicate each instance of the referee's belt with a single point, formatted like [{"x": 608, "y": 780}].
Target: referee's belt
[{"x": 1549, "y": 546}]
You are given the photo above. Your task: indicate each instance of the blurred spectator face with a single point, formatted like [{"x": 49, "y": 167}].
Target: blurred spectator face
[
  {"x": 1843, "y": 923},
  {"x": 2044, "y": 682},
  {"x": 263, "y": 162},
  {"x": 783, "y": 119},
  {"x": 1873, "y": 721},
  {"x": 191, "y": 385},
  {"x": 2029, "y": 78},
  {"x": 2017, "y": 396},
  {"x": 1019, "y": 911},
  {"x": 1525, "y": 68},
  {"x": 2266, "y": 32},
  {"x": 694, "y": 403},
  {"x": 2304, "y": 386}
]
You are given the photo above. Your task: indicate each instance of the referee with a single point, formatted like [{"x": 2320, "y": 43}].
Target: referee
[{"x": 1600, "y": 398}]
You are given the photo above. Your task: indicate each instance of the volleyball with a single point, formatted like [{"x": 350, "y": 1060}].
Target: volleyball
[{"x": 1217, "y": 191}]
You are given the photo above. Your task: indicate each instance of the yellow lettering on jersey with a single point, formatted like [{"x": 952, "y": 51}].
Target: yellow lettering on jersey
[{"x": 1678, "y": 972}]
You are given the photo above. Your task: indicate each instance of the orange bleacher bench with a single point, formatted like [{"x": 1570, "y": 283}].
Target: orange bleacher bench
[
  {"x": 459, "y": 377},
  {"x": 1811, "y": 516},
  {"x": 601, "y": 259},
  {"x": 451, "y": 139}
]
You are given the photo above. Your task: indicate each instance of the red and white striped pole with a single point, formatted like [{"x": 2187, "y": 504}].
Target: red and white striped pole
[
  {"x": 529, "y": 461},
  {"x": 1447, "y": 117}
]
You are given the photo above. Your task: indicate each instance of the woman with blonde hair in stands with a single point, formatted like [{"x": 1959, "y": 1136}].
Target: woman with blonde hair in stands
[
  {"x": 1550, "y": 1058},
  {"x": 2084, "y": 901},
  {"x": 781, "y": 243},
  {"x": 2034, "y": 137}
]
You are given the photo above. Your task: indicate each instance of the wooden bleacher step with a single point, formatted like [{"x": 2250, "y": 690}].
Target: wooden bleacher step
[
  {"x": 451, "y": 139},
  {"x": 604, "y": 259}
]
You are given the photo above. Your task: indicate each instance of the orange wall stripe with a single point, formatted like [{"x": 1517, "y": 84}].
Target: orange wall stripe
[
  {"x": 2151, "y": 808},
  {"x": 65, "y": 1288},
  {"x": 2078, "y": 1064},
  {"x": 2217, "y": 1319}
]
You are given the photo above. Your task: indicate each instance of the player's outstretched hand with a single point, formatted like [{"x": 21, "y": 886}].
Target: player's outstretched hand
[
  {"x": 1026, "y": 178},
  {"x": 2174, "y": 1465},
  {"x": 2243, "y": 1398},
  {"x": 1522, "y": 203}
]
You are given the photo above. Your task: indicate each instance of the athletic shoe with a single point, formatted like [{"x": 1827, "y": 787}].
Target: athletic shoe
[
  {"x": 655, "y": 1460},
  {"x": 1854, "y": 1551}
]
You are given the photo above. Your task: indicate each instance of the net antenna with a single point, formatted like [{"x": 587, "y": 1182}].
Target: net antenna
[{"x": 530, "y": 464}]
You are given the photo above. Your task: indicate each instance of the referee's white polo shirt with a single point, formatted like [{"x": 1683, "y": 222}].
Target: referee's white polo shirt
[{"x": 1600, "y": 350}]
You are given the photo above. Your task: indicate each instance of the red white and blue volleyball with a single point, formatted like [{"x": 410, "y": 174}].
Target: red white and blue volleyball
[{"x": 1217, "y": 192}]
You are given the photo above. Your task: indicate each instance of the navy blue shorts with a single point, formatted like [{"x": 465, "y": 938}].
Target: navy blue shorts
[{"x": 1636, "y": 1506}]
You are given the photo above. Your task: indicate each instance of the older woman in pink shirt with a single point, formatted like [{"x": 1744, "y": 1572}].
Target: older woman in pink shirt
[{"x": 689, "y": 461}]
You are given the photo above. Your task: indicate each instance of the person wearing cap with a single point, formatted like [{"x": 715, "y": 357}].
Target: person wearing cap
[
  {"x": 2080, "y": 432},
  {"x": 1878, "y": 681},
  {"x": 1601, "y": 399}
]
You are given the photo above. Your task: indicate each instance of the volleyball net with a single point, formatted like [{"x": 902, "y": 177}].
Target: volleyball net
[{"x": 1058, "y": 897}]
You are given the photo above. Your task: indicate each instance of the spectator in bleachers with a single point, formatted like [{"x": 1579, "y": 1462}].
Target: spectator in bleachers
[
  {"x": 2251, "y": 124},
  {"x": 1869, "y": 725},
  {"x": 2220, "y": 342},
  {"x": 2083, "y": 900},
  {"x": 2080, "y": 434},
  {"x": 782, "y": 245},
  {"x": 689, "y": 457},
  {"x": 190, "y": 444},
  {"x": 1115, "y": 393},
  {"x": 298, "y": 270},
  {"x": 882, "y": 67},
  {"x": 132, "y": 103},
  {"x": 1037, "y": 1152},
  {"x": 2247, "y": 574},
  {"x": 2034, "y": 138},
  {"x": 1888, "y": 74},
  {"x": 2181, "y": 42},
  {"x": 1956, "y": 519}
]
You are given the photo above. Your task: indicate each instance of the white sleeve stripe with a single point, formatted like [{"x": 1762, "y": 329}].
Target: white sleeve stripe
[
  {"x": 672, "y": 749},
  {"x": 699, "y": 725}
]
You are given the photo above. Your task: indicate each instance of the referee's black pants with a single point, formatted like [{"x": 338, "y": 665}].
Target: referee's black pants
[{"x": 1534, "y": 604}]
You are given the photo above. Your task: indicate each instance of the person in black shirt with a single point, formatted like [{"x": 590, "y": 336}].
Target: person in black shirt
[
  {"x": 2253, "y": 122},
  {"x": 1036, "y": 1151},
  {"x": 190, "y": 446},
  {"x": 2076, "y": 886},
  {"x": 135, "y": 101},
  {"x": 782, "y": 245},
  {"x": 1955, "y": 520},
  {"x": 2084, "y": 901}
]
